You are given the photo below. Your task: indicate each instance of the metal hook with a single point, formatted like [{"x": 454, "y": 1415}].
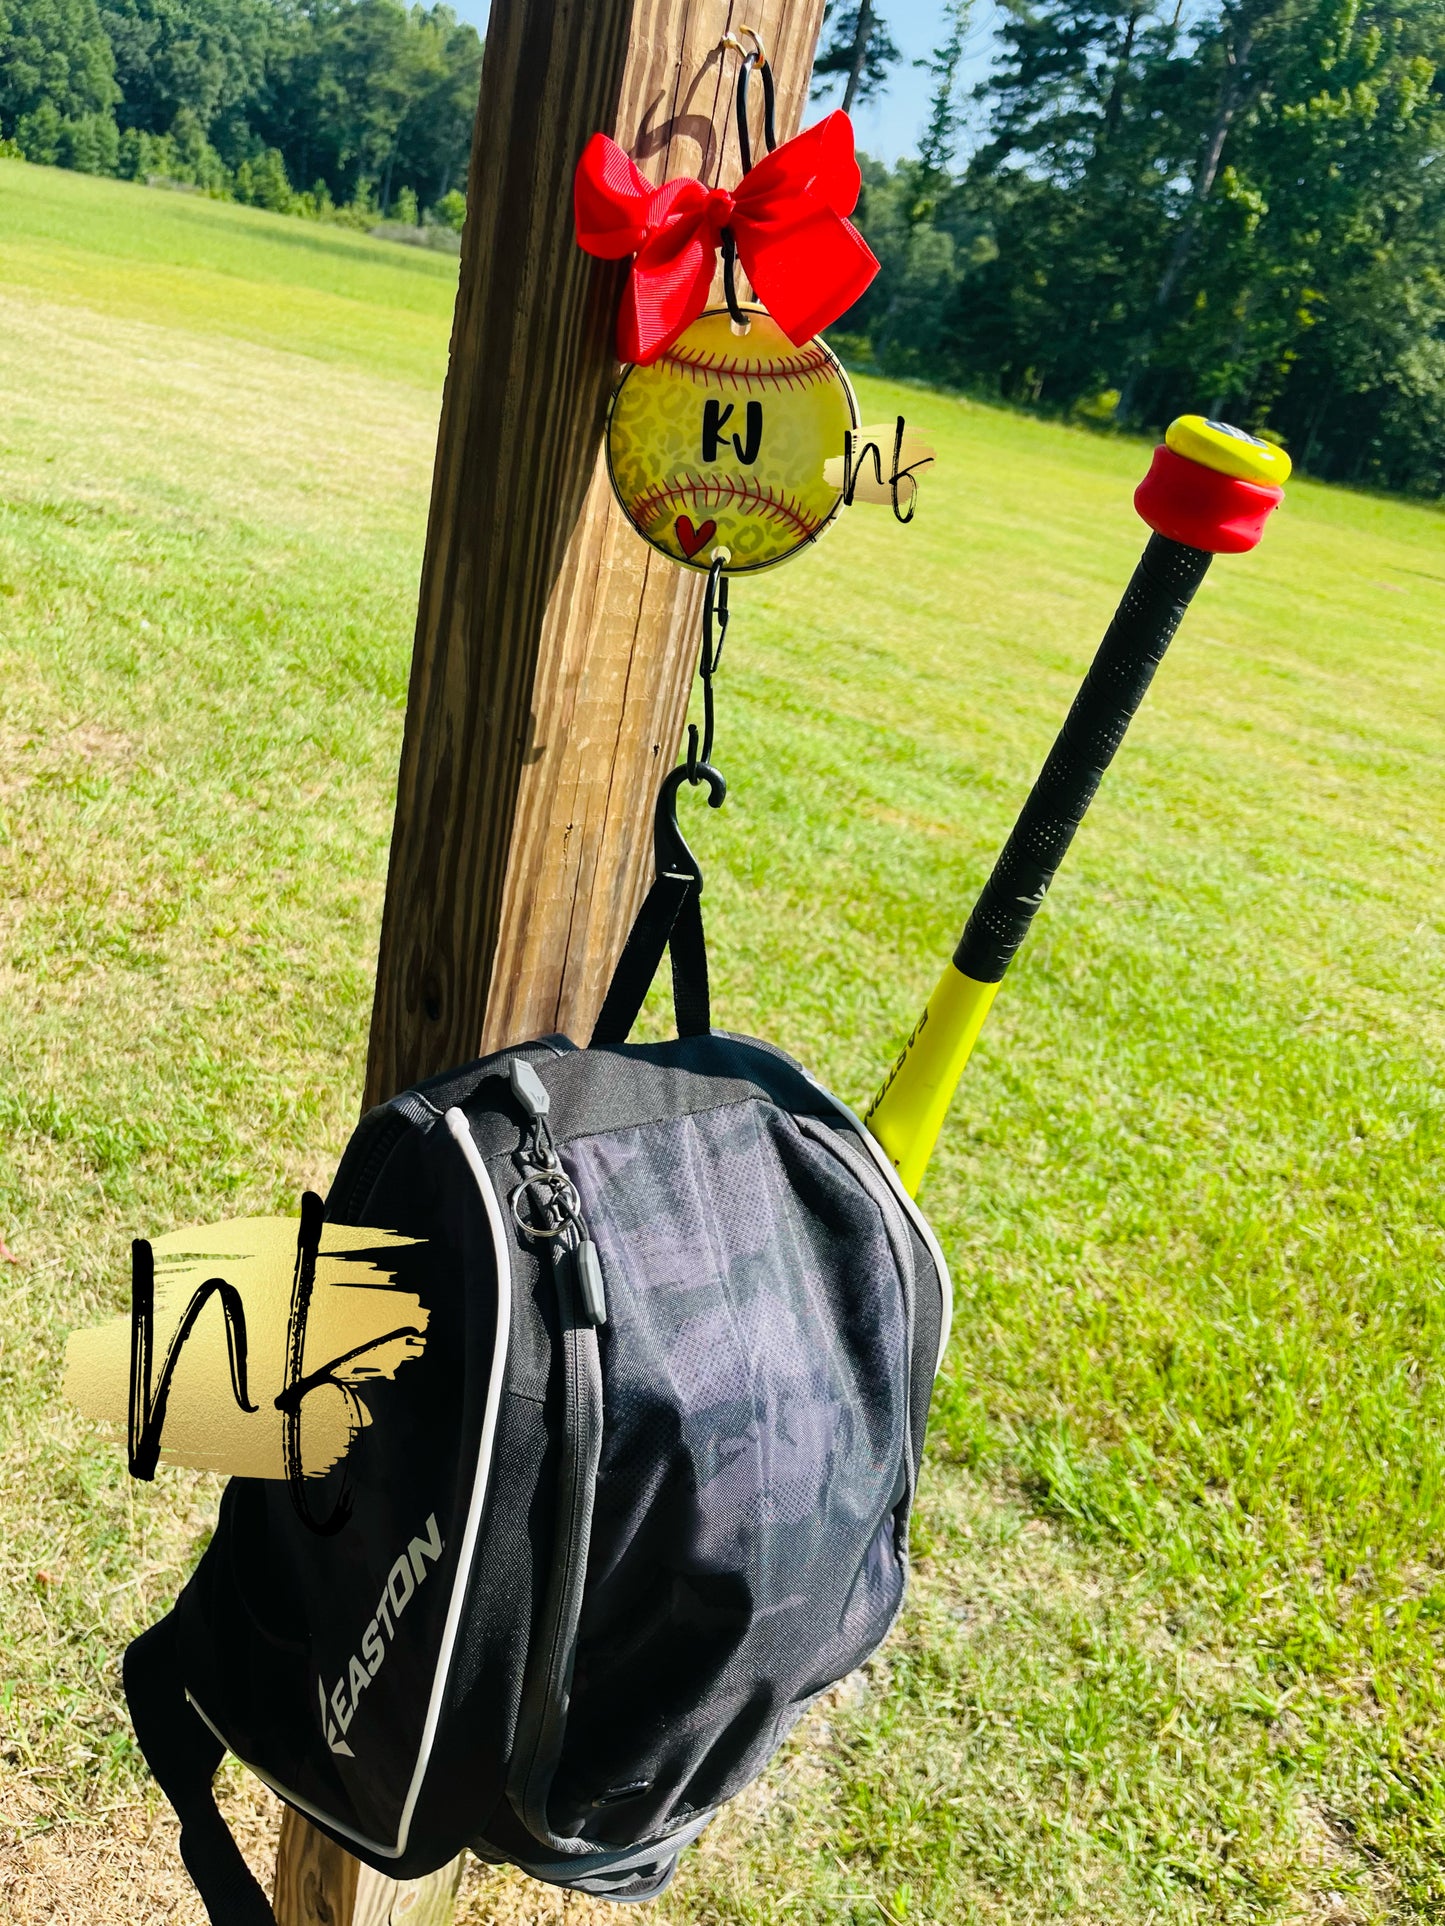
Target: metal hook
[
  {"x": 670, "y": 850},
  {"x": 757, "y": 58},
  {"x": 714, "y": 608}
]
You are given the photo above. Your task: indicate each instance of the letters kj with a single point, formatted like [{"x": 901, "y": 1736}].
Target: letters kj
[{"x": 715, "y": 417}]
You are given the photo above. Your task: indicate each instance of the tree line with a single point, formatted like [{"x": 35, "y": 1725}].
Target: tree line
[
  {"x": 1146, "y": 208},
  {"x": 307, "y": 106}
]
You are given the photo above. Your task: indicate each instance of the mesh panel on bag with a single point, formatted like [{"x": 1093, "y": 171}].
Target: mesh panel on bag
[{"x": 743, "y": 1549}]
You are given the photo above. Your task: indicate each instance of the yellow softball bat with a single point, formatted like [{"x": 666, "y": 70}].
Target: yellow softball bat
[
  {"x": 721, "y": 443},
  {"x": 1229, "y": 451}
]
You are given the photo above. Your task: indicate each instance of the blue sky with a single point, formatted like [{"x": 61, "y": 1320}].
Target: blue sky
[{"x": 891, "y": 126}]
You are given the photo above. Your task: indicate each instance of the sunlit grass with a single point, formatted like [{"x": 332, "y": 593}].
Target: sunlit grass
[
  {"x": 1175, "y": 1650},
  {"x": 214, "y": 269}
]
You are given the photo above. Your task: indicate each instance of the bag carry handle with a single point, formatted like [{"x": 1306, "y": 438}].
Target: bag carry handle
[
  {"x": 670, "y": 917},
  {"x": 183, "y": 1753}
]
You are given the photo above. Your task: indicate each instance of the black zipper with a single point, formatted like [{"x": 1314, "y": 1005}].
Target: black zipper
[{"x": 547, "y": 1208}]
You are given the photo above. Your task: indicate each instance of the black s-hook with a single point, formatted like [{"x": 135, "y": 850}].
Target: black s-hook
[
  {"x": 671, "y": 913},
  {"x": 670, "y": 848},
  {"x": 758, "y": 57},
  {"x": 714, "y": 609}
]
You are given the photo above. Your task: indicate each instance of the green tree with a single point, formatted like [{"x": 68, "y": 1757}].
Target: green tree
[
  {"x": 1236, "y": 68},
  {"x": 1240, "y": 208},
  {"x": 1065, "y": 80},
  {"x": 908, "y": 221},
  {"x": 206, "y": 58},
  {"x": 1073, "y": 182},
  {"x": 262, "y": 182},
  {"x": 451, "y": 210},
  {"x": 434, "y": 137},
  {"x": 1325, "y": 201},
  {"x": 938, "y": 147},
  {"x": 860, "y": 48},
  {"x": 57, "y": 83},
  {"x": 370, "y": 96}
]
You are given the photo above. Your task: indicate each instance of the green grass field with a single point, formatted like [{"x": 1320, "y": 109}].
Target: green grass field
[{"x": 1176, "y": 1649}]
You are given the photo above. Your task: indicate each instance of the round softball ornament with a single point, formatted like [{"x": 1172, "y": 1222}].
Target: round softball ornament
[{"x": 721, "y": 442}]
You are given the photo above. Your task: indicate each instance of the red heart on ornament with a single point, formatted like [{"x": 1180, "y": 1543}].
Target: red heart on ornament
[{"x": 691, "y": 539}]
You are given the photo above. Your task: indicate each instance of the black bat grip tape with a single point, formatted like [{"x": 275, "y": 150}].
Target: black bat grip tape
[{"x": 1144, "y": 624}]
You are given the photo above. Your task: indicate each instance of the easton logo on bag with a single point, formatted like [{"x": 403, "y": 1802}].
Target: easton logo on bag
[
  {"x": 338, "y": 1707},
  {"x": 639, "y": 1498}
]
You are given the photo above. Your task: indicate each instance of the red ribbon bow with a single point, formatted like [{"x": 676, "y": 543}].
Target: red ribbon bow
[{"x": 788, "y": 216}]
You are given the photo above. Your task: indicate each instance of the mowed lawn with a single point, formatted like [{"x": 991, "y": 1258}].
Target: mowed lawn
[{"x": 1176, "y": 1647}]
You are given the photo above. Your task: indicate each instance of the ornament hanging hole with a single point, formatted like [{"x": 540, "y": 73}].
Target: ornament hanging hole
[{"x": 745, "y": 328}]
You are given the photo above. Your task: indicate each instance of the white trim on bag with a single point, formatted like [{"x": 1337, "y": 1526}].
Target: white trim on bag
[{"x": 456, "y": 1123}]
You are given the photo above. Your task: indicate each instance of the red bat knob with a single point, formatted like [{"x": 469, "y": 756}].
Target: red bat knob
[{"x": 1211, "y": 486}]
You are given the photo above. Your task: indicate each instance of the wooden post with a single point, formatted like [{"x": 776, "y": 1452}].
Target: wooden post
[
  {"x": 317, "y": 1884},
  {"x": 554, "y": 651}
]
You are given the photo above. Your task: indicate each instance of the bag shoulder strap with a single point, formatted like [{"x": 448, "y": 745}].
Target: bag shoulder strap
[
  {"x": 670, "y": 917},
  {"x": 183, "y": 1753}
]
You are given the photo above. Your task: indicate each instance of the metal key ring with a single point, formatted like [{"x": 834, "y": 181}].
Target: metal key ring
[{"x": 557, "y": 1194}]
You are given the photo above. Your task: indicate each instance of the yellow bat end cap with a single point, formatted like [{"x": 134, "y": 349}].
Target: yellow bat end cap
[{"x": 1230, "y": 451}]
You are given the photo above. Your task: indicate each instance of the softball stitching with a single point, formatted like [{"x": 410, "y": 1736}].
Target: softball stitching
[
  {"x": 802, "y": 370},
  {"x": 726, "y": 491}
]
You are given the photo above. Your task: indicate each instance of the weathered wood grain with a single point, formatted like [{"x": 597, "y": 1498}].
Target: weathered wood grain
[
  {"x": 619, "y": 648},
  {"x": 320, "y": 1885},
  {"x": 407, "y": 1902},
  {"x": 525, "y": 393},
  {"x": 315, "y": 1880}
]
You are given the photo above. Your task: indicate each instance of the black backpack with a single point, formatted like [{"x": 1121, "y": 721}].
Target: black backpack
[{"x": 642, "y": 1498}]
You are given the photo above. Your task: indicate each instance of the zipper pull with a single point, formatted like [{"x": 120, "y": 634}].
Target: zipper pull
[
  {"x": 537, "y": 1148},
  {"x": 528, "y": 1088},
  {"x": 531, "y": 1093},
  {"x": 587, "y": 1271}
]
